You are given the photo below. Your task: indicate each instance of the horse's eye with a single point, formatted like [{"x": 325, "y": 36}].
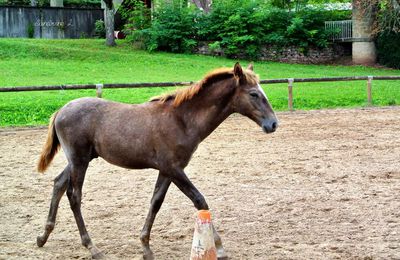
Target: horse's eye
[{"x": 254, "y": 94}]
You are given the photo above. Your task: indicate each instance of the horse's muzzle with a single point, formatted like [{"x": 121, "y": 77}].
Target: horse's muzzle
[{"x": 269, "y": 125}]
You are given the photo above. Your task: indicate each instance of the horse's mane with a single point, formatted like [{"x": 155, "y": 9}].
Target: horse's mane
[{"x": 182, "y": 95}]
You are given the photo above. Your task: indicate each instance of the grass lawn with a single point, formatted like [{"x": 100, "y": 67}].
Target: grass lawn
[{"x": 34, "y": 62}]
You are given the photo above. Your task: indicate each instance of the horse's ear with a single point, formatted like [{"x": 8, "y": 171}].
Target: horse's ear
[
  {"x": 238, "y": 71},
  {"x": 250, "y": 67}
]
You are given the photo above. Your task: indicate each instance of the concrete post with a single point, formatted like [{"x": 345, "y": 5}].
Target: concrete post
[{"x": 364, "y": 51}]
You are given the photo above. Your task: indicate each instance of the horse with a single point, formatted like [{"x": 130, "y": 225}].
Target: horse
[{"x": 161, "y": 134}]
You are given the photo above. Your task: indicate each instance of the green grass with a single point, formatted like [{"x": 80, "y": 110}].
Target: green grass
[{"x": 33, "y": 62}]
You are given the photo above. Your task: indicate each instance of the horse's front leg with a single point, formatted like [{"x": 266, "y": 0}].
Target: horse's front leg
[
  {"x": 180, "y": 179},
  {"x": 160, "y": 191}
]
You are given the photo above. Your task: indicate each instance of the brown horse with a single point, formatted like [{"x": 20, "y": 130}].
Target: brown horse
[{"x": 161, "y": 134}]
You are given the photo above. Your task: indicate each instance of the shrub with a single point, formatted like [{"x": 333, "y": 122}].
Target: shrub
[
  {"x": 46, "y": 3},
  {"x": 388, "y": 49},
  {"x": 83, "y": 3},
  {"x": 100, "y": 29},
  {"x": 15, "y": 2},
  {"x": 306, "y": 27},
  {"x": 31, "y": 30},
  {"x": 172, "y": 28},
  {"x": 137, "y": 20},
  {"x": 237, "y": 25},
  {"x": 240, "y": 27}
]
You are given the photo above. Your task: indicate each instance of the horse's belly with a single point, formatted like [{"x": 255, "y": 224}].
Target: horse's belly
[{"x": 130, "y": 162}]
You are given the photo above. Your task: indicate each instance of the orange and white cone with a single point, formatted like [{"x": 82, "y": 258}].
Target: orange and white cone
[{"x": 203, "y": 246}]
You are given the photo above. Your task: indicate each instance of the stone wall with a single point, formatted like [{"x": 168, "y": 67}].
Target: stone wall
[
  {"x": 296, "y": 55},
  {"x": 55, "y": 23},
  {"x": 288, "y": 54}
]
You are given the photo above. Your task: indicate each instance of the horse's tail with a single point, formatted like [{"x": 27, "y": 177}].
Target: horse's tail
[{"x": 50, "y": 148}]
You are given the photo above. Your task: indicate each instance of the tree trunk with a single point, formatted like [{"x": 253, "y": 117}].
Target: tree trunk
[
  {"x": 203, "y": 5},
  {"x": 109, "y": 12}
]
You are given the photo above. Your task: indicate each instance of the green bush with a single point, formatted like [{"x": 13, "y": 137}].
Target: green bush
[
  {"x": 388, "y": 49},
  {"x": 31, "y": 30},
  {"x": 15, "y": 2},
  {"x": 100, "y": 29},
  {"x": 137, "y": 19},
  {"x": 307, "y": 27},
  {"x": 83, "y": 3},
  {"x": 237, "y": 25},
  {"x": 172, "y": 28},
  {"x": 240, "y": 27},
  {"x": 46, "y": 3}
]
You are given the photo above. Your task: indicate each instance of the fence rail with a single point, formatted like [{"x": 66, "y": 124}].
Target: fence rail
[
  {"x": 290, "y": 81},
  {"x": 340, "y": 30}
]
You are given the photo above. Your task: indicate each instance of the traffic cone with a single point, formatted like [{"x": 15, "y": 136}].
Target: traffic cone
[{"x": 203, "y": 246}]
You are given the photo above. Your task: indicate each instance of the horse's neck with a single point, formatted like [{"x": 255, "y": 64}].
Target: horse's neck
[{"x": 203, "y": 115}]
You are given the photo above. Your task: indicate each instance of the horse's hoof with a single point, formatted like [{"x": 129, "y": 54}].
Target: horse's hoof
[
  {"x": 148, "y": 256},
  {"x": 99, "y": 255},
  {"x": 221, "y": 255},
  {"x": 40, "y": 241}
]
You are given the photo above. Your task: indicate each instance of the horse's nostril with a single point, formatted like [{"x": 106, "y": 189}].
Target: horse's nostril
[{"x": 269, "y": 126}]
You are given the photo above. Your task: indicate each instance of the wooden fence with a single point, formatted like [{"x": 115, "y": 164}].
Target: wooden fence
[{"x": 99, "y": 87}]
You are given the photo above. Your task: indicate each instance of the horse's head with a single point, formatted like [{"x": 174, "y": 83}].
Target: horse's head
[{"x": 251, "y": 101}]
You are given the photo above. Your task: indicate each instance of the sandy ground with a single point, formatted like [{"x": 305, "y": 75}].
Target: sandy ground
[{"x": 326, "y": 185}]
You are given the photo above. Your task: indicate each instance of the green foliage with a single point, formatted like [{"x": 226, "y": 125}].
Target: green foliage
[
  {"x": 31, "y": 30},
  {"x": 307, "y": 27},
  {"x": 388, "y": 17},
  {"x": 237, "y": 25},
  {"x": 40, "y": 3},
  {"x": 46, "y": 3},
  {"x": 137, "y": 19},
  {"x": 34, "y": 62},
  {"x": 100, "y": 29},
  {"x": 137, "y": 15},
  {"x": 83, "y": 3},
  {"x": 388, "y": 48},
  {"x": 240, "y": 27},
  {"x": 15, "y": 2},
  {"x": 171, "y": 30}
]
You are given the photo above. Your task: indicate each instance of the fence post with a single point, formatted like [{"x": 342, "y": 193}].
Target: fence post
[
  {"x": 290, "y": 90},
  {"x": 99, "y": 90},
  {"x": 369, "y": 90}
]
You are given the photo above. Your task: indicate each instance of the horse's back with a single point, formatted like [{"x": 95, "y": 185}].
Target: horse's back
[
  {"x": 120, "y": 133},
  {"x": 83, "y": 113}
]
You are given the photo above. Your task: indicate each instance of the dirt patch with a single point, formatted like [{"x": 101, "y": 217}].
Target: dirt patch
[{"x": 326, "y": 185}]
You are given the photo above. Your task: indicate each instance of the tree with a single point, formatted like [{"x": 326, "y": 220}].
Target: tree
[
  {"x": 109, "y": 12},
  {"x": 204, "y": 5},
  {"x": 299, "y": 4},
  {"x": 385, "y": 12}
]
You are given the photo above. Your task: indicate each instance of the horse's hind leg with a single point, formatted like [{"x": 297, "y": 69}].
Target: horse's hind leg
[
  {"x": 74, "y": 194},
  {"x": 160, "y": 191},
  {"x": 60, "y": 185}
]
